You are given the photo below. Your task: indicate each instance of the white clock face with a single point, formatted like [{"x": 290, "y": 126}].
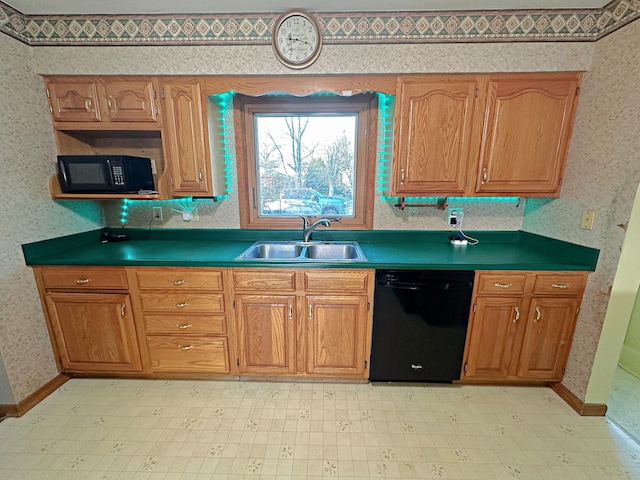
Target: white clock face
[{"x": 297, "y": 40}]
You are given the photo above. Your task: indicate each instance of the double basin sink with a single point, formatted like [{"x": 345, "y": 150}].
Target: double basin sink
[{"x": 303, "y": 251}]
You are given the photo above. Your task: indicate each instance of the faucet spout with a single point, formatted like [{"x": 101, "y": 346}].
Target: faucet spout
[{"x": 308, "y": 229}]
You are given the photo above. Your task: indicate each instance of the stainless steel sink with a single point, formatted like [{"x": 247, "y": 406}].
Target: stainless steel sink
[
  {"x": 332, "y": 251},
  {"x": 304, "y": 251},
  {"x": 273, "y": 250}
]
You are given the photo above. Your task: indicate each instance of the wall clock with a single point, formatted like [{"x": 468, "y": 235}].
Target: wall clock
[{"x": 297, "y": 39}]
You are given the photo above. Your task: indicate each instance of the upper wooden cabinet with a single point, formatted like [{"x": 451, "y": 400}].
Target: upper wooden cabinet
[
  {"x": 505, "y": 134},
  {"x": 187, "y": 141},
  {"x": 436, "y": 128},
  {"x": 104, "y": 102},
  {"x": 528, "y": 124}
]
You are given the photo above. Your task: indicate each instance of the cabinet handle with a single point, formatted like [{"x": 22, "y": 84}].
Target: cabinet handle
[
  {"x": 83, "y": 281},
  {"x": 484, "y": 175},
  {"x": 88, "y": 105},
  {"x": 310, "y": 312},
  {"x": 517, "y": 315},
  {"x": 188, "y": 325},
  {"x": 123, "y": 311},
  {"x": 109, "y": 102},
  {"x": 185, "y": 347},
  {"x": 402, "y": 176},
  {"x": 290, "y": 312},
  {"x": 179, "y": 282},
  {"x": 538, "y": 314},
  {"x": 200, "y": 176},
  {"x": 561, "y": 286},
  {"x": 503, "y": 285},
  {"x": 182, "y": 305}
]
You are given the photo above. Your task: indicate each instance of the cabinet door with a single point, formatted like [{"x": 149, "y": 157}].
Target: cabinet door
[
  {"x": 187, "y": 141},
  {"x": 131, "y": 101},
  {"x": 337, "y": 335},
  {"x": 76, "y": 101},
  {"x": 434, "y": 138},
  {"x": 94, "y": 332},
  {"x": 266, "y": 333},
  {"x": 493, "y": 338},
  {"x": 528, "y": 123},
  {"x": 547, "y": 338}
]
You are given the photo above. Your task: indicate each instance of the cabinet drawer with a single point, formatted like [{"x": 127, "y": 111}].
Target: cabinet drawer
[
  {"x": 185, "y": 324},
  {"x": 337, "y": 281},
  {"x": 502, "y": 283},
  {"x": 85, "y": 278},
  {"x": 559, "y": 284},
  {"x": 183, "y": 302},
  {"x": 264, "y": 281},
  {"x": 189, "y": 354},
  {"x": 179, "y": 279}
]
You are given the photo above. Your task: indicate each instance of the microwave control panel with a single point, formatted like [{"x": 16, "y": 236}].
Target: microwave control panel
[{"x": 118, "y": 173}]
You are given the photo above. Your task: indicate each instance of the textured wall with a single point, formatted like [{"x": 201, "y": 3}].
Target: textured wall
[
  {"x": 27, "y": 151},
  {"x": 602, "y": 174}
]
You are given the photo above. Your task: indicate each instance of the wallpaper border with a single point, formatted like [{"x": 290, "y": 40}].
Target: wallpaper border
[{"x": 345, "y": 28}]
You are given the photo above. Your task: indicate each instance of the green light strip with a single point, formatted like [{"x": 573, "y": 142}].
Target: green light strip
[
  {"x": 384, "y": 121},
  {"x": 224, "y": 102}
]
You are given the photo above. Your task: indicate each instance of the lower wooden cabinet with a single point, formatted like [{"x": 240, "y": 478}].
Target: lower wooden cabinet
[
  {"x": 314, "y": 323},
  {"x": 266, "y": 334},
  {"x": 336, "y": 337},
  {"x": 521, "y": 325},
  {"x": 90, "y": 318},
  {"x": 183, "y": 312},
  {"x": 188, "y": 353}
]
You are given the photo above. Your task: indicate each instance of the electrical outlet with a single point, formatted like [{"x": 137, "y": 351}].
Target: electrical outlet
[
  {"x": 157, "y": 213},
  {"x": 455, "y": 217},
  {"x": 588, "y": 217}
]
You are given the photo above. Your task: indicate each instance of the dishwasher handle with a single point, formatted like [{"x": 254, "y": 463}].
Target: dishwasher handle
[{"x": 426, "y": 285}]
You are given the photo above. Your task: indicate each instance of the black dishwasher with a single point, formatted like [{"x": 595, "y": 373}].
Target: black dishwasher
[{"x": 419, "y": 325}]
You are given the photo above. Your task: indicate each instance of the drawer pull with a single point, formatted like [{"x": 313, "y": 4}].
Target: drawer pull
[
  {"x": 538, "y": 314},
  {"x": 182, "y": 326},
  {"x": 310, "y": 312},
  {"x": 83, "y": 281},
  {"x": 517, "y": 315},
  {"x": 123, "y": 311},
  {"x": 503, "y": 285},
  {"x": 182, "y": 305},
  {"x": 179, "y": 282},
  {"x": 561, "y": 286},
  {"x": 185, "y": 347},
  {"x": 290, "y": 312}
]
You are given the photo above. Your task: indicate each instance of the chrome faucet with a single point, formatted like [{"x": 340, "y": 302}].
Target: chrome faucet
[{"x": 308, "y": 228}]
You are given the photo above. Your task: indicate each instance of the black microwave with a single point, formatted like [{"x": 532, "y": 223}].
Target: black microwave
[{"x": 104, "y": 174}]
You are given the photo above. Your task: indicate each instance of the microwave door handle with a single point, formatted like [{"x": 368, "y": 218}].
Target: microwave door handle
[
  {"x": 63, "y": 169},
  {"x": 110, "y": 170}
]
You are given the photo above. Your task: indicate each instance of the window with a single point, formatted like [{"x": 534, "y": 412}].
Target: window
[{"x": 311, "y": 156}]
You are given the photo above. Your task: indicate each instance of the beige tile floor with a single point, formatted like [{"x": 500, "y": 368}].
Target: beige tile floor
[
  {"x": 169, "y": 430},
  {"x": 624, "y": 402}
]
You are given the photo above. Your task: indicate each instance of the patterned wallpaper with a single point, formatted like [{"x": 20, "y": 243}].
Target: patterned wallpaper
[
  {"x": 365, "y": 27},
  {"x": 603, "y": 171},
  {"x": 27, "y": 150}
]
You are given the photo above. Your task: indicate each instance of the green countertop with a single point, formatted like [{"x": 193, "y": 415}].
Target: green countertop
[{"x": 431, "y": 250}]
